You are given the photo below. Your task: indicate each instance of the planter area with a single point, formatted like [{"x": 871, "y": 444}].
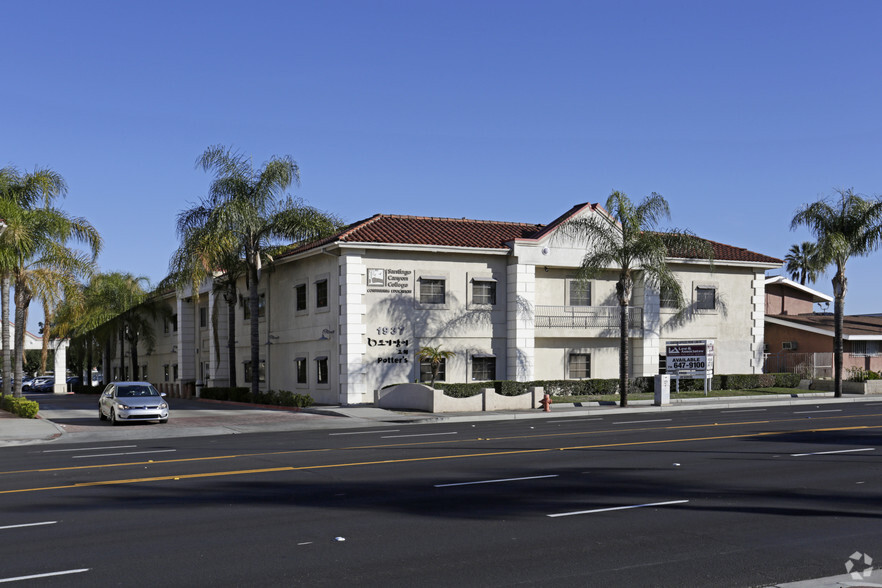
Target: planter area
[
  {"x": 868, "y": 387},
  {"x": 427, "y": 399}
]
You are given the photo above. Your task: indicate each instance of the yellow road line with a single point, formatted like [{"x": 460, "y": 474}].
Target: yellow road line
[{"x": 421, "y": 459}]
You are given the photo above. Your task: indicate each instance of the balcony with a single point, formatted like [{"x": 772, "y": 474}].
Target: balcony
[{"x": 586, "y": 317}]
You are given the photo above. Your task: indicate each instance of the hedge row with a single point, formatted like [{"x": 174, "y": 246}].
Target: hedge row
[
  {"x": 21, "y": 406},
  {"x": 598, "y": 387},
  {"x": 272, "y": 397}
]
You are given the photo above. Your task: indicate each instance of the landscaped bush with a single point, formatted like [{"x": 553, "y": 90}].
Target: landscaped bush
[
  {"x": 21, "y": 406},
  {"x": 272, "y": 397}
]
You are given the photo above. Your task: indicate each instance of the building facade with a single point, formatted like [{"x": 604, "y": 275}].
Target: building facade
[{"x": 347, "y": 315}]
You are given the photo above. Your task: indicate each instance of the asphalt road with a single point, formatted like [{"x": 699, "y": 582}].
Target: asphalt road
[{"x": 736, "y": 497}]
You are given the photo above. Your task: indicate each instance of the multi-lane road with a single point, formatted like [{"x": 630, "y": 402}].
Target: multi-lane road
[{"x": 733, "y": 497}]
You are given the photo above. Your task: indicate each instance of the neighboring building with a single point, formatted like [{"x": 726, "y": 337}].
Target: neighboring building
[
  {"x": 794, "y": 331},
  {"x": 344, "y": 316}
]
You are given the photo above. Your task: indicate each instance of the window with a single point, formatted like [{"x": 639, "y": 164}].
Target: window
[
  {"x": 300, "y": 297},
  {"x": 300, "y": 364},
  {"x": 483, "y": 368},
  {"x": 579, "y": 366},
  {"x": 175, "y": 372},
  {"x": 165, "y": 373},
  {"x": 426, "y": 371},
  {"x": 261, "y": 371},
  {"x": 204, "y": 368},
  {"x": 667, "y": 298},
  {"x": 705, "y": 298},
  {"x": 865, "y": 348},
  {"x": 174, "y": 323},
  {"x": 203, "y": 317},
  {"x": 321, "y": 294},
  {"x": 484, "y": 292},
  {"x": 580, "y": 293},
  {"x": 432, "y": 290},
  {"x": 261, "y": 306},
  {"x": 321, "y": 370},
  {"x": 144, "y": 372}
]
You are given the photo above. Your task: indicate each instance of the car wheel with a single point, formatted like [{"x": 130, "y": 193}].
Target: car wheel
[
  {"x": 101, "y": 416},
  {"x": 113, "y": 420}
]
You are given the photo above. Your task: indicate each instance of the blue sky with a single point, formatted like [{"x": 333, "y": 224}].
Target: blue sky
[{"x": 736, "y": 112}]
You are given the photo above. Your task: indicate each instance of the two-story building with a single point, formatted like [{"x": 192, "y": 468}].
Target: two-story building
[{"x": 346, "y": 315}]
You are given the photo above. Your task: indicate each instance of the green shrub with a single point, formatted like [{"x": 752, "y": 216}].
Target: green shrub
[
  {"x": 271, "y": 397},
  {"x": 20, "y": 406}
]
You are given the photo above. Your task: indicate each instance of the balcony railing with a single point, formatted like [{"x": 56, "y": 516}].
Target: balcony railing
[{"x": 586, "y": 317}]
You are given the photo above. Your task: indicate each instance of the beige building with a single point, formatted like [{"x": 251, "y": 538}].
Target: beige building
[{"x": 347, "y": 315}]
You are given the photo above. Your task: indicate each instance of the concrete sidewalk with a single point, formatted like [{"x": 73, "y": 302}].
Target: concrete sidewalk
[{"x": 19, "y": 431}]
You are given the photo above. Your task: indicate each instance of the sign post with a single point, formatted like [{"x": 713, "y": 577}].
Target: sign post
[{"x": 690, "y": 359}]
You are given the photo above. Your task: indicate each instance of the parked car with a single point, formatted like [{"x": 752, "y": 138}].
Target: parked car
[
  {"x": 26, "y": 383},
  {"x": 132, "y": 401},
  {"x": 44, "y": 384}
]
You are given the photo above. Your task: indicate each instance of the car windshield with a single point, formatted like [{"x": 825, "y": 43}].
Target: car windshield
[{"x": 136, "y": 391}]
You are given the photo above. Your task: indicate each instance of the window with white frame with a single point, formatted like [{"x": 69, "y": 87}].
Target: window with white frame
[
  {"x": 579, "y": 293},
  {"x": 261, "y": 371},
  {"x": 579, "y": 366},
  {"x": 865, "y": 348},
  {"x": 300, "y": 368},
  {"x": 261, "y": 306},
  {"x": 300, "y": 297},
  {"x": 432, "y": 290},
  {"x": 483, "y": 368},
  {"x": 321, "y": 370},
  {"x": 426, "y": 371},
  {"x": 705, "y": 298},
  {"x": 483, "y": 291}
]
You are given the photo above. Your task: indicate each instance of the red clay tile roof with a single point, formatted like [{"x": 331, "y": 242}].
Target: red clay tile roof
[{"x": 452, "y": 232}]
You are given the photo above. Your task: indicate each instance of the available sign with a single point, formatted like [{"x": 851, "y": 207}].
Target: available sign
[{"x": 690, "y": 359}]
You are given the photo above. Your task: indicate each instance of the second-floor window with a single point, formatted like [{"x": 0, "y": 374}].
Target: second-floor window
[
  {"x": 705, "y": 298},
  {"x": 321, "y": 294},
  {"x": 432, "y": 290},
  {"x": 300, "y": 297},
  {"x": 580, "y": 293},
  {"x": 261, "y": 306}
]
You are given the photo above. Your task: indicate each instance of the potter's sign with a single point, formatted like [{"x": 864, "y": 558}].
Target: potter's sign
[{"x": 388, "y": 281}]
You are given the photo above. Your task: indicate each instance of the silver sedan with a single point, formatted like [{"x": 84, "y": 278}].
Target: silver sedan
[{"x": 132, "y": 401}]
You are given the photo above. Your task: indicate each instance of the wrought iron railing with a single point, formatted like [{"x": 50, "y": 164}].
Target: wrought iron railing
[{"x": 586, "y": 317}]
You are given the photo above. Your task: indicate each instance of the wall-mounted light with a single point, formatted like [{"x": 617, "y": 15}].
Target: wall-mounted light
[
  {"x": 546, "y": 268},
  {"x": 326, "y": 334},
  {"x": 174, "y": 348}
]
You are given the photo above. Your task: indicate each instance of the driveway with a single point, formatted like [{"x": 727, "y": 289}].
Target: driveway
[{"x": 76, "y": 418}]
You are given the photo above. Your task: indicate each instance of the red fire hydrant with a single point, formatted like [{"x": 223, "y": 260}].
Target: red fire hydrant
[{"x": 546, "y": 403}]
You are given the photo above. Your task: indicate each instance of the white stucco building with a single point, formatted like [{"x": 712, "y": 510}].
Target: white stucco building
[{"x": 346, "y": 315}]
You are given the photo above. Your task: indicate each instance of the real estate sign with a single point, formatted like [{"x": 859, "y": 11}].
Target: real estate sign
[{"x": 690, "y": 359}]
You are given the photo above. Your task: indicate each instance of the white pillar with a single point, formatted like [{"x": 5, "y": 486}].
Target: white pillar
[
  {"x": 520, "y": 315},
  {"x": 758, "y": 323},
  {"x": 351, "y": 330},
  {"x": 60, "y": 369}
]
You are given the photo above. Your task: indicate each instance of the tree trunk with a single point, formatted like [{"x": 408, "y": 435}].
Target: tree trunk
[
  {"x": 623, "y": 290},
  {"x": 231, "y": 333},
  {"x": 21, "y": 304},
  {"x": 87, "y": 377},
  {"x": 7, "y": 347},
  {"x": 44, "y": 350},
  {"x": 253, "y": 304},
  {"x": 839, "y": 286}
]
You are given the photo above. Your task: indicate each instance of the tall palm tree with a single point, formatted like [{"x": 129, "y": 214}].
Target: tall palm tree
[
  {"x": 24, "y": 190},
  {"x": 249, "y": 205},
  {"x": 625, "y": 239},
  {"x": 802, "y": 262},
  {"x": 205, "y": 257},
  {"x": 36, "y": 252},
  {"x": 844, "y": 229}
]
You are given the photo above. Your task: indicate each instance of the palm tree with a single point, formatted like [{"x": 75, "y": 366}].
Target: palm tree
[
  {"x": 247, "y": 204},
  {"x": 802, "y": 262},
  {"x": 38, "y": 258},
  {"x": 435, "y": 356},
  {"x": 847, "y": 228},
  {"x": 24, "y": 190},
  {"x": 625, "y": 239},
  {"x": 204, "y": 257}
]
